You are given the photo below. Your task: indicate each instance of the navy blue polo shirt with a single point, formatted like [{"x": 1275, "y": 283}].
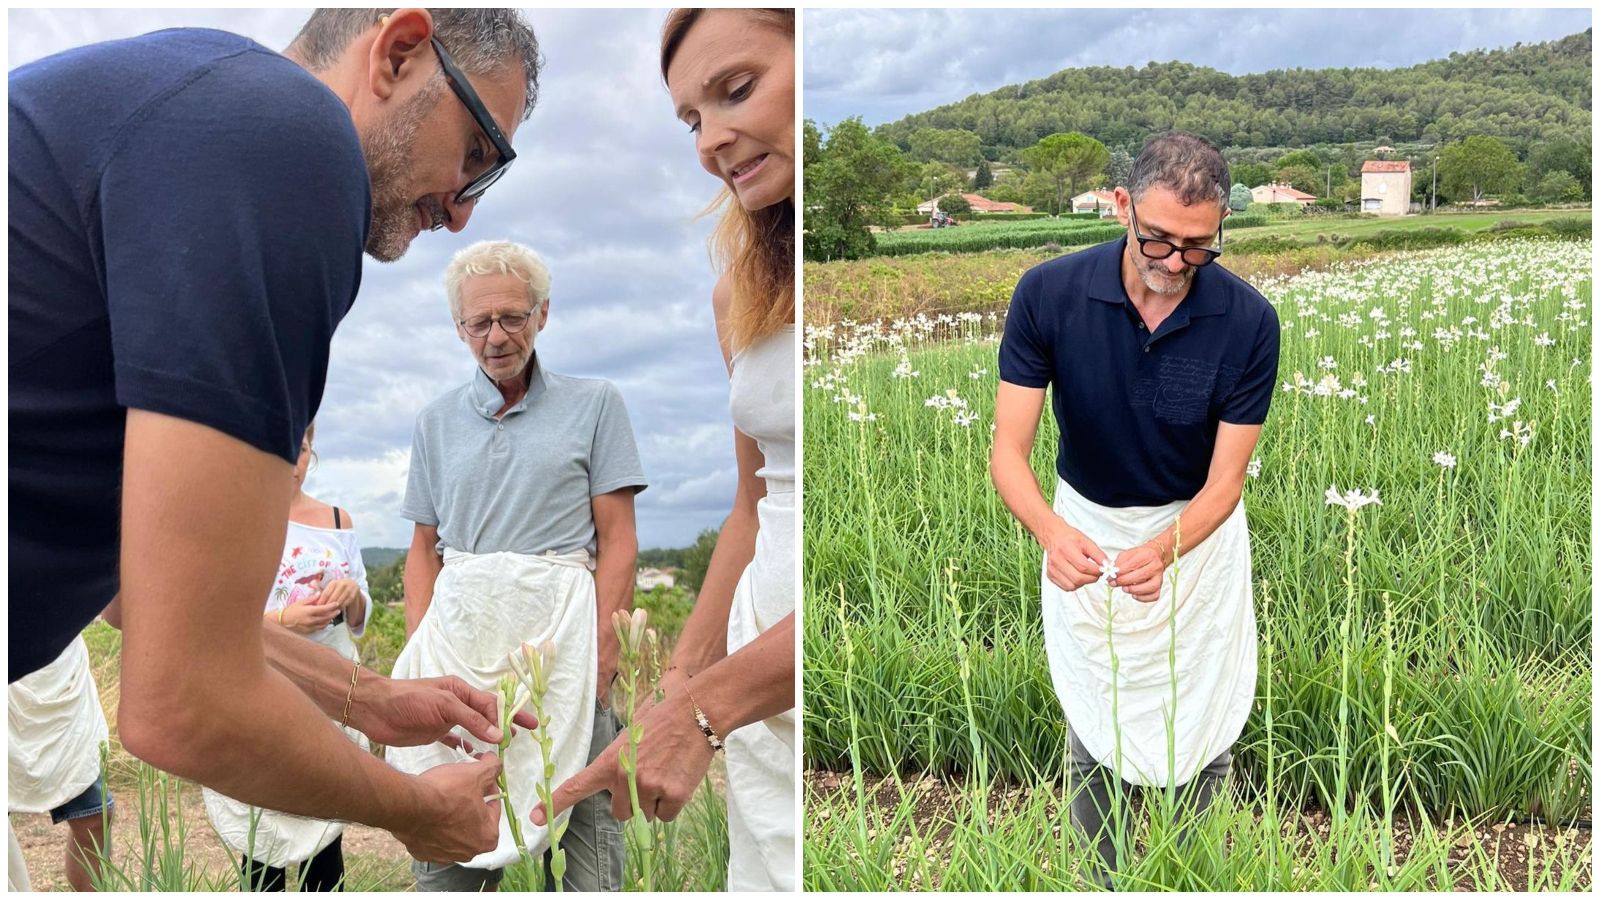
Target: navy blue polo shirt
[
  {"x": 187, "y": 212},
  {"x": 1138, "y": 412}
]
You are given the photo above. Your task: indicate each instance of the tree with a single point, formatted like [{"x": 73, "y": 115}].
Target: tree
[
  {"x": 849, "y": 180},
  {"x": 984, "y": 177},
  {"x": 933, "y": 180},
  {"x": 1119, "y": 167},
  {"x": 1479, "y": 165},
  {"x": 1067, "y": 158},
  {"x": 1563, "y": 154},
  {"x": 697, "y": 559},
  {"x": 1557, "y": 187},
  {"x": 1250, "y": 174},
  {"x": 1302, "y": 178},
  {"x": 1239, "y": 198},
  {"x": 1294, "y": 158},
  {"x": 947, "y": 145},
  {"x": 954, "y": 204}
]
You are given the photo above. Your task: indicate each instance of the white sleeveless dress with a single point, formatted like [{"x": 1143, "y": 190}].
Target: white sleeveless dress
[{"x": 760, "y": 757}]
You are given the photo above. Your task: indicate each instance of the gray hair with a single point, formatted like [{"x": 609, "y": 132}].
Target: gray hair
[
  {"x": 497, "y": 258},
  {"x": 1186, "y": 164},
  {"x": 481, "y": 41}
]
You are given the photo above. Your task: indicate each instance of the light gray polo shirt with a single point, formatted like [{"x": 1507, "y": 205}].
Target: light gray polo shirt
[{"x": 521, "y": 484}]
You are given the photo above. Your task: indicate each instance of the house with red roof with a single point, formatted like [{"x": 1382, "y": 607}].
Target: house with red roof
[{"x": 1386, "y": 187}]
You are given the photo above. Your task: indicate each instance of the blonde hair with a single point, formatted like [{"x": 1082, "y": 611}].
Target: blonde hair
[
  {"x": 754, "y": 247},
  {"x": 497, "y": 258}
]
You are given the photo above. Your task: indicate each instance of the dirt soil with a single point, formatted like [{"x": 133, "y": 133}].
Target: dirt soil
[
  {"x": 370, "y": 854},
  {"x": 1516, "y": 848}
]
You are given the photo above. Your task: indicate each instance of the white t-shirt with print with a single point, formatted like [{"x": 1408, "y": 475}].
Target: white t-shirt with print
[{"x": 313, "y": 556}]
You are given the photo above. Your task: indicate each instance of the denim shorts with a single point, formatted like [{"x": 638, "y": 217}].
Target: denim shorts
[{"x": 92, "y": 802}]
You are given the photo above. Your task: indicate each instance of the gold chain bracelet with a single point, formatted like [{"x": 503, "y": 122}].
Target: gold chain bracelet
[{"x": 354, "y": 674}]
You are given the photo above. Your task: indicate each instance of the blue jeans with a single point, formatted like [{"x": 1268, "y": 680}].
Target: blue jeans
[{"x": 94, "y": 801}]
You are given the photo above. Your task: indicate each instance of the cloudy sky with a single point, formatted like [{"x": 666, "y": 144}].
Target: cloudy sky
[
  {"x": 884, "y": 64},
  {"x": 606, "y": 187}
]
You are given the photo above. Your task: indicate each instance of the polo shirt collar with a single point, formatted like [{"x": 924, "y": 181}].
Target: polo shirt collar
[
  {"x": 487, "y": 400},
  {"x": 1205, "y": 297}
]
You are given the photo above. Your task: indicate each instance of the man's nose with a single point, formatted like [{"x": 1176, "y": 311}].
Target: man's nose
[
  {"x": 1175, "y": 263},
  {"x": 457, "y": 214}
]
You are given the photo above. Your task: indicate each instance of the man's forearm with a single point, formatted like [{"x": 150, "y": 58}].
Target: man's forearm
[
  {"x": 422, "y": 571},
  {"x": 1014, "y": 481},
  {"x": 1203, "y": 516},
  {"x": 705, "y": 635},
  {"x": 319, "y": 672},
  {"x": 224, "y": 729},
  {"x": 615, "y": 559}
]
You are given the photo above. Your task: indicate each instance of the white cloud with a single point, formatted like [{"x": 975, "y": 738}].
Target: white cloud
[{"x": 607, "y": 188}]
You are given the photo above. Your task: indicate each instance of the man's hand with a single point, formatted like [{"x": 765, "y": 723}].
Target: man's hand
[
  {"x": 1139, "y": 572},
  {"x": 461, "y": 816},
  {"x": 308, "y": 616},
  {"x": 673, "y": 758},
  {"x": 1071, "y": 559},
  {"x": 409, "y": 712}
]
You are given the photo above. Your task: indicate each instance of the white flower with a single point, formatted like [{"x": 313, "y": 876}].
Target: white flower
[
  {"x": 1445, "y": 459},
  {"x": 1499, "y": 411},
  {"x": 977, "y": 374},
  {"x": 1545, "y": 340},
  {"x": 1372, "y": 420},
  {"x": 1352, "y": 499},
  {"x": 965, "y": 419},
  {"x": 1327, "y": 362},
  {"x": 1253, "y": 468},
  {"x": 1108, "y": 571},
  {"x": 1551, "y": 384}
]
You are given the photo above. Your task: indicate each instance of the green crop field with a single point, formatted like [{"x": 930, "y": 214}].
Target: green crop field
[{"x": 1424, "y": 666}]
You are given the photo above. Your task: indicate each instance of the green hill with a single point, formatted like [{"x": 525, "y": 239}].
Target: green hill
[{"x": 1524, "y": 95}]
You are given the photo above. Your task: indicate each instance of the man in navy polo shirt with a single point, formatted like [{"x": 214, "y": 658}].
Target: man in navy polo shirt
[
  {"x": 1161, "y": 366},
  {"x": 187, "y": 215}
]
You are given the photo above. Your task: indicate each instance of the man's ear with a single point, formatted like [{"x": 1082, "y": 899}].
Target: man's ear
[
  {"x": 400, "y": 51},
  {"x": 1124, "y": 202},
  {"x": 544, "y": 313}
]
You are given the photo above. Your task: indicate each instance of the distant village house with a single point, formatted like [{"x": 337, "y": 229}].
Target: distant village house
[
  {"x": 1102, "y": 202},
  {"x": 1280, "y": 193},
  {"x": 1386, "y": 187},
  {"x": 646, "y": 579}
]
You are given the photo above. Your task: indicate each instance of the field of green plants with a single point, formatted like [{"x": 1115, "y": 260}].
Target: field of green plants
[
  {"x": 162, "y": 840},
  {"x": 1248, "y": 232},
  {"x": 1423, "y": 706},
  {"x": 974, "y": 236}
]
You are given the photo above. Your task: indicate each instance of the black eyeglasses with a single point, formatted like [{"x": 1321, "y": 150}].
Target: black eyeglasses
[
  {"x": 480, "y": 113},
  {"x": 1156, "y": 248},
  {"x": 479, "y": 327}
]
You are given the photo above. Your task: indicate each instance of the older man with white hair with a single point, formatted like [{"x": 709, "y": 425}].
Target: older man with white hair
[{"x": 521, "y": 488}]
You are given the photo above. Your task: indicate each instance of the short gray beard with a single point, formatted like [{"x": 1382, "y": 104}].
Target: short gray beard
[{"x": 388, "y": 148}]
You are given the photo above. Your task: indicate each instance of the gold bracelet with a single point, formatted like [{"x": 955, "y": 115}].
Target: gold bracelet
[
  {"x": 705, "y": 724},
  {"x": 280, "y": 614},
  {"x": 354, "y": 673}
]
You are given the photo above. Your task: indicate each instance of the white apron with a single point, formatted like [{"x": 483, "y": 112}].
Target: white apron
[
  {"x": 281, "y": 839},
  {"x": 1215, "y": 640},
  {"x": 485, "y": 606},
  {"x": 56, "y": 727},
  {"x": 760, "y": 757}
]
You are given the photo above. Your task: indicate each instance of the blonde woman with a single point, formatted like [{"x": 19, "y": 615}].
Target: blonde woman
[
  {"x": 731, "y": 76},
  {"x": 319, "y": 592}
]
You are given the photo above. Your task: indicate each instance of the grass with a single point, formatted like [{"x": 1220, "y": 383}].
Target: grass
[{"x": 1467, "y": 593}]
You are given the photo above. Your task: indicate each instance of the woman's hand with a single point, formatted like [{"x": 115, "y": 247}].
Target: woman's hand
[
  {"x": 345, "y": 594},
  {"x": 673, "y": 759},
  {"x": 308, "y": 616}
]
